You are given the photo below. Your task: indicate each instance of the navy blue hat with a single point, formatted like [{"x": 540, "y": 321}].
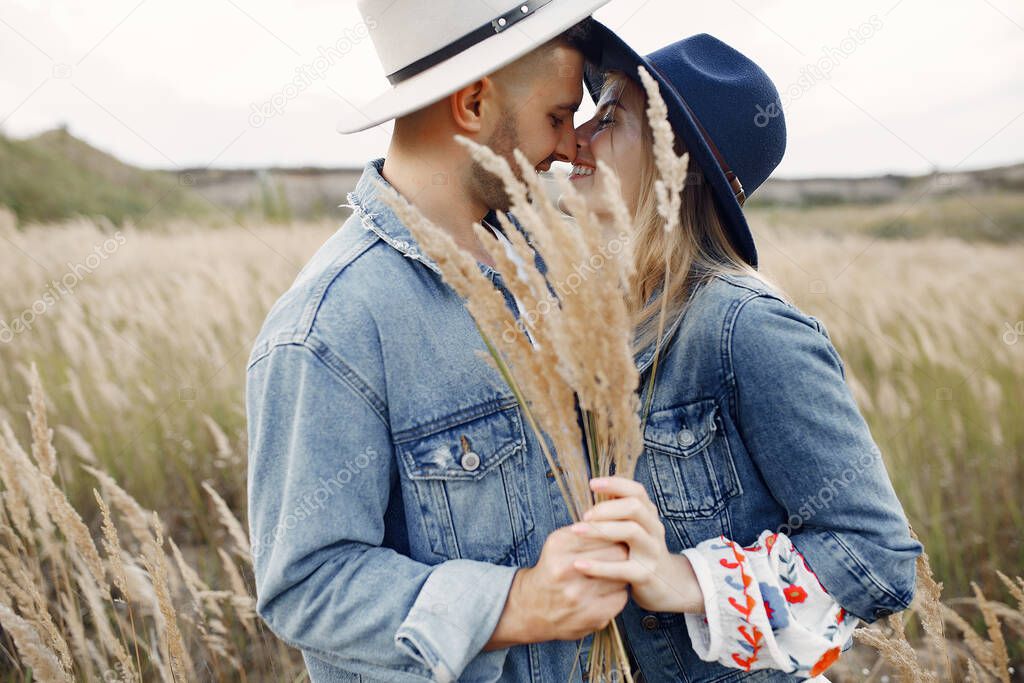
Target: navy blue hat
[{"x": 724, "y": 108}]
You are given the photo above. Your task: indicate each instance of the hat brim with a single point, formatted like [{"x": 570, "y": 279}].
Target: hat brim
[
  {"x": 617, "y": 55},
  {"x": 468, "y": 66}
]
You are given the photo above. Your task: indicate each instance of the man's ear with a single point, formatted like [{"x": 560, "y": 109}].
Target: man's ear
[{"x": 469, "y": 105}]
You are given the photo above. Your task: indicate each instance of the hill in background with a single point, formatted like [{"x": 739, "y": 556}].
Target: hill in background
[{"x": 55, "y": 176}]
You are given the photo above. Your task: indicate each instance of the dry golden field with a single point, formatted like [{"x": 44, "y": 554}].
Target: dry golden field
[{"x": 140, "y": 340}]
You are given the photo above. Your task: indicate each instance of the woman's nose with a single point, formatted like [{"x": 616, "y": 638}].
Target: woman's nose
[
  {"x": 583, "y": 134},
  {"x": 582, "y": 143}
]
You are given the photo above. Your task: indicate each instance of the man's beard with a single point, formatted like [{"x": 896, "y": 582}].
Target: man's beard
[{"x": 487, "y": 186}]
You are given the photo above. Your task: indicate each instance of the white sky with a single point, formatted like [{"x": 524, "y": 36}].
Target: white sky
[{"x": 168, "y": 84}]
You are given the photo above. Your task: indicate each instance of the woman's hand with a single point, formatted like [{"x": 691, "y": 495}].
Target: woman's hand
[{"x": 660, "y": 581}]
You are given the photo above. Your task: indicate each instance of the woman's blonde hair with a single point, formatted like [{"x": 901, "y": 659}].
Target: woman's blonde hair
[{"x": 698, "y": 250}]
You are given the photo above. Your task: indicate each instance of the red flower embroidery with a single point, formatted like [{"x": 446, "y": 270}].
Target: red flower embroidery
[
  {"x": 755, "y": 637},
  {"x": 795, "y": 593},
  {"x": 827, "y": 660},
  {"x": 744, "y": 664},
  {"x": 745, "y": 611},
  {"x": 840, "y": 615}
]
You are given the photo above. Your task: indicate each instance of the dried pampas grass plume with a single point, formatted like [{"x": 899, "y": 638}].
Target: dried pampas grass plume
[
  {"x": 155, "y": 561},
  {"x": 231, "y": 523},
  {"x": 672, "y": 169},
  {"x": 43, "y": 661},
  {"x": 42, "y": 435}
]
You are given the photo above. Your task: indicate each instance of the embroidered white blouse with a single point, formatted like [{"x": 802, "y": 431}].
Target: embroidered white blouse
[{"x": 765, "y": 608}]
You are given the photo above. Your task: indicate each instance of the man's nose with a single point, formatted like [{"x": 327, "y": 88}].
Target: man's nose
[{"x": 567, "y": 147}]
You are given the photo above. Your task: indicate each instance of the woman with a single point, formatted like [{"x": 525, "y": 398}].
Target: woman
[{"x": 761, "y": 510}]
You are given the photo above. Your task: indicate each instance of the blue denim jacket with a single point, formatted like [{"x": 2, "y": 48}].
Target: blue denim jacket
[{"x": 384, "y": 550}]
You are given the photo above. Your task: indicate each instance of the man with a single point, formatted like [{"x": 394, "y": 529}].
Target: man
[{"x": 404, "y": 526}]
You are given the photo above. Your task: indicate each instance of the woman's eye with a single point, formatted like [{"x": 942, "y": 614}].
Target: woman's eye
[
  {"x": 605, "y": 121},
  {"x": 556, "y": 122}
]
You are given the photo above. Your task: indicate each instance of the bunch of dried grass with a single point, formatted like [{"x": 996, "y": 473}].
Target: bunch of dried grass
[{"x": 576, "y": 347}]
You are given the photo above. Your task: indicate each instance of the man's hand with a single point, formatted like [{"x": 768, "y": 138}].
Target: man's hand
[{"x": 554, "y": 600}]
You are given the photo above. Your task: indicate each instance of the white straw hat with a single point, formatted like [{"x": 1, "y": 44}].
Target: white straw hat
[{"x": 431, "y": 49}]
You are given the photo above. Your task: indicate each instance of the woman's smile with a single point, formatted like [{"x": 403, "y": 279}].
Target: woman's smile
[{"x": 581, "y": 171}]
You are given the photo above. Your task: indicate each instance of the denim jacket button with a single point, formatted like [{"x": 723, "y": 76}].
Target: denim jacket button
[
  {"x": 649, "y": 622},
  {"x": 685, "y": 437},
  {"x": 470, "y": 461},
  {"x": 883, "y": 612}
]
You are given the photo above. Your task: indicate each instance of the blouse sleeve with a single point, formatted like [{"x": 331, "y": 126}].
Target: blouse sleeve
[{"x": 764, "y": 608}]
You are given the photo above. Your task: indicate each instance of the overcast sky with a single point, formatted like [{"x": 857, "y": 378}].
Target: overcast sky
[{"x": 170, "y": 84}]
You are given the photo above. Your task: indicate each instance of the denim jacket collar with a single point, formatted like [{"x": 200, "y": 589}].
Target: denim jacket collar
[
  {"x": 645, "y": 357},
  {"x": 377, "y": 216}
]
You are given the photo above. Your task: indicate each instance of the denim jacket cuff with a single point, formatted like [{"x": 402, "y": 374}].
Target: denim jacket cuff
[
  {"x": 452, "y": 619},
  {"x": 852, "y": 584}
]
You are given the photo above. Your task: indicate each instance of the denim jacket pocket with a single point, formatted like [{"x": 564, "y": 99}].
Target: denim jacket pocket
[
  {"x": 693, "y": 474},
  {"x": 470, "y": 483}
]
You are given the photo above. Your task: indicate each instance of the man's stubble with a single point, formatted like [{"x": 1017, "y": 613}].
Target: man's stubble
[{"x": 484, "y": 184}]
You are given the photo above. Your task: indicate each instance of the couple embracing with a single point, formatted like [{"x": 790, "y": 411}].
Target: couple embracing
[{"x": 425, "y": 560}]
